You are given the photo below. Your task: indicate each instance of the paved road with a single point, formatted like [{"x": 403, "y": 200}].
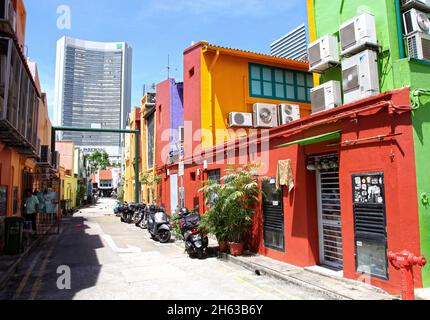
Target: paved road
[{"x": 112, "y": 260}]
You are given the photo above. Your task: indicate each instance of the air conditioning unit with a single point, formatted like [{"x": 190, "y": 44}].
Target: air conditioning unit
[
  {"x": 265, "y": 115},
  {"x": 423, "y": 5},
  {"x": 358, "y": 33},
  {"x": 8, "y": 17},
  {"x": 323, "y": 54},
  {"x": 415, "y": 20},
  {"x": 326, "y": 96},
  {"x": 288, "y": 113},
  {"x": 360, "y": 76},
  {"x": 45, "y": 155},
  {"x": 419, "y": 46},
  {"x": 240, "y": 119}
]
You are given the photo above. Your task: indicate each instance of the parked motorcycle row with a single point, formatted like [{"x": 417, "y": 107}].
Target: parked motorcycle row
[{"x": 155, "y": 220}]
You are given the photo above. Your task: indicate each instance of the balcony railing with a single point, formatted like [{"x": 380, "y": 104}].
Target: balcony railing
[
  {"x": 7, "y": 17},
  {"x": 19, "y": 101}
]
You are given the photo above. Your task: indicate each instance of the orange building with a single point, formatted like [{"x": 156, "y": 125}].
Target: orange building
[{"x": 26, "y": 161}]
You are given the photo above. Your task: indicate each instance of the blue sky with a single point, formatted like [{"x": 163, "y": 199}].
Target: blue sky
[{"x": 156, "y": 29}]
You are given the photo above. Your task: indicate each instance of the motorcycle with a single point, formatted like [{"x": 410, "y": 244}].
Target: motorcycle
[
  {"x": 117, "y": 208},
  {"x": 195, "y": 242},
  {"x": 158, "y": 224},
  {"x": 127, "y": 213},
  {"x": 141, "y": 217}
]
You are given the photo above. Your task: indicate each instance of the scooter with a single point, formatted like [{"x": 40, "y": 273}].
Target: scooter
[
  {"x": 158, "y": 224},
  {"x": 117, "y": 208},
  {"x": 195, "y": 242}
]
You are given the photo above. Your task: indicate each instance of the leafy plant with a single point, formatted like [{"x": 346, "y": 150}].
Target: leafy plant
[
  {"x": 176, "y": 228},
  {"x": 120, "y": 196},
  {"x": 98, "y": 161},
  {"x": 232, "y": 204}
]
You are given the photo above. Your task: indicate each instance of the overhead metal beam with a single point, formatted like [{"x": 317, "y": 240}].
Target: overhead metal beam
[{"x": 136, "y": 144}]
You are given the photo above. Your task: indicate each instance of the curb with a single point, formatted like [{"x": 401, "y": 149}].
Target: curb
[
  {"x": 6, "y": 277},
  {"x": 259, "y": 269},
  {"x": 254, "y": 267}
]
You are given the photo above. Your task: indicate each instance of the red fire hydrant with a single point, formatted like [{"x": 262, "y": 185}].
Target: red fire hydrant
[{"x": 405, "y": 261}]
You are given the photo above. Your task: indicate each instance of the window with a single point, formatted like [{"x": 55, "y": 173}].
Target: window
[
  {"x": 150, "y": 141},
  {"x": 279, "y": 84},
  {"x": 191, "y": 72},
  {"x": 214, "y": 175}
]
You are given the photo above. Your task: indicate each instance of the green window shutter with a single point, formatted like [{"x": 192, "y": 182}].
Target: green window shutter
[{"x": 279, "y": 84}]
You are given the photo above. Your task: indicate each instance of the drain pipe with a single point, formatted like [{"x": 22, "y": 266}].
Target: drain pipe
[{"x": 399, "y": 29}]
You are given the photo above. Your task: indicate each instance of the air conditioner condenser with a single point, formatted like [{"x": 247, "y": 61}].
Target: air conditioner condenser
[
  {"x": 358, "y": 34},
  {"x": 288, "y": 113},
  {"x": 326, "y": 96},
  {"x": 360, "y": 76},
  {"x": 323, "y": 54},
  {"x": 240, "y": 119},
  {"x": 415, "y": 20},
  {"x": 423, "y": 5},
  {"x": 419, "y": 46},
  {"x": 265, "y": 115}
]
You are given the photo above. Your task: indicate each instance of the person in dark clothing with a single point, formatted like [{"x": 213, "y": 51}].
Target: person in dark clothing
[{"x": 31, "y": 205}]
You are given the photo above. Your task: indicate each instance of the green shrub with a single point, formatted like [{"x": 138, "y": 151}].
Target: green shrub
[{"x": 231, "y": 205}]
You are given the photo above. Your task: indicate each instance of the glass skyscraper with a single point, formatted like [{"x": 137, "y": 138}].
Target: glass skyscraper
[{"x": 93, "y": 90}]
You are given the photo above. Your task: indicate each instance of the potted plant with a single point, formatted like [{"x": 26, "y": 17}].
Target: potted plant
[
  {"x": 214, "y": 220},
  {"x": 231, "y": 207}
]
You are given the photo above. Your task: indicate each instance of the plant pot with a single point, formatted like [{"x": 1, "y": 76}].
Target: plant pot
[
  {"x": 236, "y": 249},
  {"x": 223, "y": 246}
]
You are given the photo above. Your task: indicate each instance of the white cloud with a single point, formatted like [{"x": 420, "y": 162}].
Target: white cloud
[{"x": 231, "y": 8}]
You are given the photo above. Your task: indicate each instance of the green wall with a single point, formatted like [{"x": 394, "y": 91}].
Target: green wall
[
  {"x": 394, "y": 73},
  {"x": 329, "y": 15},
  {"x": 416, "y": 74}
]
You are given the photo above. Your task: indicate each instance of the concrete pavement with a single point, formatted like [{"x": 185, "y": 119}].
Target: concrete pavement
[{"x": 111, "y": 260}]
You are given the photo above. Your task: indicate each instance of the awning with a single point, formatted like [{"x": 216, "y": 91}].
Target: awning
[{"x": 313, "y": 140}]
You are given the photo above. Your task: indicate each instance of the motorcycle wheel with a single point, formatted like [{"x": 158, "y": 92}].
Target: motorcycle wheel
[
  {"x": 200, "y": 254},
  {"x": 143, "y": 224},
  {"x": 164, "y": 236}
]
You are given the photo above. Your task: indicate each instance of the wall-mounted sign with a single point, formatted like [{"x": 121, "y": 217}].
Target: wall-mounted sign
[
  {"x": 369, "y": 189},
  {"x": 181, "y": 169}
]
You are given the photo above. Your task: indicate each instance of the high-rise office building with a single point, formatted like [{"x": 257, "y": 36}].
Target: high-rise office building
[
  {"x": 93, "y": 90},
  {"x": 292, "y": 46}
]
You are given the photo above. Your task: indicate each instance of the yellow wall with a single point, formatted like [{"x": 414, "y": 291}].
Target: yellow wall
[
  {"x": 225, "y": 89},
  {"x": 129, "y": 157},
  {"x": 312, "y": 32},
  {"x": 146, "y": 195},
  {"x": 70, "y": 189}
]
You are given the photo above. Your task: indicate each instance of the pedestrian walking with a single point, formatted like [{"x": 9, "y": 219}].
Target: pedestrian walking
[{"x": 31, "y": 205}]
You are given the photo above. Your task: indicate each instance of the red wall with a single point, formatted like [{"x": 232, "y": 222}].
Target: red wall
[
  {"x": 394, "y": 156},
  {"x": 192, "y": 97},
  {"x": 163, "y": 122}
]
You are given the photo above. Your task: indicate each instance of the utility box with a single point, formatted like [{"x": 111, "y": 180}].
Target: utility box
[{"x": 14, "y": 227}]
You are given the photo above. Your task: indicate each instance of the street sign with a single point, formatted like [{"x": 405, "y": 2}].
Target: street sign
[{"x": 181, "y": 169}]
